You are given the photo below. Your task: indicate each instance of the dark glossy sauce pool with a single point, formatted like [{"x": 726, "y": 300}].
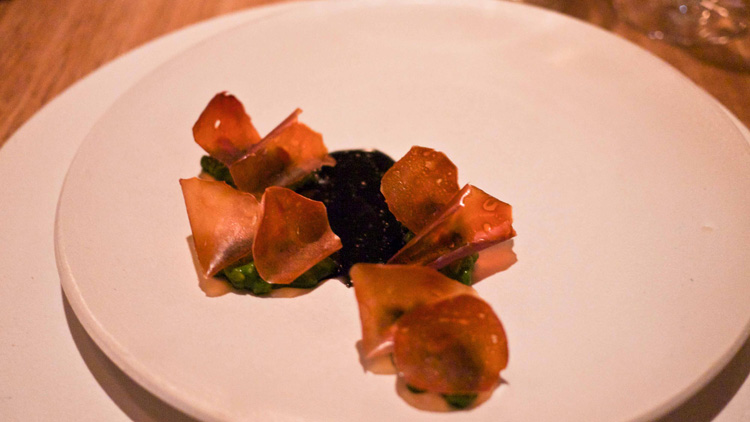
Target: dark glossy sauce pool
[{"x": 357, "y": 210}]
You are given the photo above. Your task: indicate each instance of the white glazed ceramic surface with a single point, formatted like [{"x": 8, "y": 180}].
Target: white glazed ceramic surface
[{"x": 630, "y": 190}]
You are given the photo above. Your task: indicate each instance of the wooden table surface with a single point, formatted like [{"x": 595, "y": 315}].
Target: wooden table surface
[{"x": 47, "y": 45}]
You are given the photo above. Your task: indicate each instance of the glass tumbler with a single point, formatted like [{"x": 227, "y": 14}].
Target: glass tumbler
[{"x": 687, "y": 22}]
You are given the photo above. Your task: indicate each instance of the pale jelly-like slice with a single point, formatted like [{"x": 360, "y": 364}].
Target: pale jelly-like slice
[
  {"x": 387, "y": 292},
  {"x": 223, "y": 221}
]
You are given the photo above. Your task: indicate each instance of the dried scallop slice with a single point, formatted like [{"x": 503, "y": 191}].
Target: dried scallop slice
[
  {"x": 473, "y": 220},
  {"x": 285, "y": 156},
  {"x": 224, "y": 130},
  {"x": 293, "y": 235},
  {"x": 418, "y": 186},
  {"x": 453, "y": 346}
]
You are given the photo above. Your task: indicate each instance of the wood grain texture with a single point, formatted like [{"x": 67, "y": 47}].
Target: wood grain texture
[{"x": 47, "y": 45}]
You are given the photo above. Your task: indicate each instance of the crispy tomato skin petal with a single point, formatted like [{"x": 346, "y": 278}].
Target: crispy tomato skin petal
[
  {"x": 223, "y": 221},
  {"x": 224, "y": 129},
  {"x": 418, "y": 186},
  {"x": 472, "y": 221},
  {"x": 453, "y": 346},
  {"x": 386, "y": 292},
  {"x": 293, "y": 235},
  {"x": 287, "y": 154}
]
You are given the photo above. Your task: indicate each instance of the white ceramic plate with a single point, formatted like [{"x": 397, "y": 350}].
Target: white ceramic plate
[{"x": 630, "y": 190}]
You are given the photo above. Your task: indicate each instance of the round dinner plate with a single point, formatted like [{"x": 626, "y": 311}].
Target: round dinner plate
[{"x": 630, "y": 188}]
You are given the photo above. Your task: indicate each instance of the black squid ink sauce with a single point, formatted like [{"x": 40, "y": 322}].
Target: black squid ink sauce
[{"x": 357, "y": 211}]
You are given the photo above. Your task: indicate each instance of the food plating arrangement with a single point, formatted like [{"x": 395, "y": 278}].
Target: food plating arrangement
[{"x": 280, "y": 211}]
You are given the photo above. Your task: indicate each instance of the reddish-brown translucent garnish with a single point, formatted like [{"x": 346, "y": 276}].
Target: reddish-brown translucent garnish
[
  {"x": 286, "y": 155},
  {"x": 386, "y": 292},
  {"x": 473, "y": 220},
  {"x": 224, "y": 129},
  {"x": 453, "y": 346},
  {"x": 293, "y": 235},
  {"x": 418, "y": 186},
  {"x": 223, "y": 221}
]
